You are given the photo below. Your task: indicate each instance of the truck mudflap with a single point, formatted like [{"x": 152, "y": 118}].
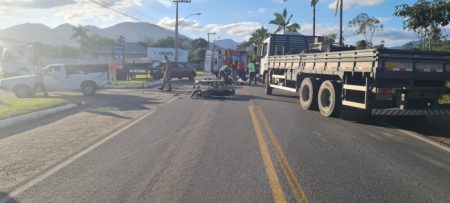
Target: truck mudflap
[{"x": 410, "y": 112}]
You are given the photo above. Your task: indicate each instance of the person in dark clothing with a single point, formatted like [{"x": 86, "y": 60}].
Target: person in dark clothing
[
  {"x": 167, "y": 76},
  {"x": 234, "y": 73},
  {"x": 39, "y": 83}
]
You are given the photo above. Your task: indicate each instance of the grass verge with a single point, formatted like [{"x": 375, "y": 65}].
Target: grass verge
[
  {"x": 130, "y": 82},
  {"x": 445, "y": 99},
  {"x": 16, "y": 107},
  {"x": 139, "y": 79},
  {"x": 200, "y": 73},
  {"x": 143, "y": 76}
]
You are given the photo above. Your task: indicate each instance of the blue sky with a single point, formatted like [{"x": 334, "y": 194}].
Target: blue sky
[{"x": 234, "y": 19}]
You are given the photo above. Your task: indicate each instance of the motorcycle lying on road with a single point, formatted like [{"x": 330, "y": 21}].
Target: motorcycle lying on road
[{"x": 212, "y": 88}]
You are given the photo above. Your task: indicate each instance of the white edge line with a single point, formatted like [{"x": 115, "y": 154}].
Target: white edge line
[
  {"x": 70, "y": 160},
  {"x": 418, "y": 136}
]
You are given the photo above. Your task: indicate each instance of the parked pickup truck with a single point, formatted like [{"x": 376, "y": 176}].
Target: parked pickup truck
[
  {"x": 60, "y": 77},
  {"x": 382, "y": 82}
]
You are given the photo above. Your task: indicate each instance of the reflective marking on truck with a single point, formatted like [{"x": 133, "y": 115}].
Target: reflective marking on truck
[
  {"x": 410, "y": 112},
  {"x": 398, "y": 66},
  {"x": 430, "y": 67}
]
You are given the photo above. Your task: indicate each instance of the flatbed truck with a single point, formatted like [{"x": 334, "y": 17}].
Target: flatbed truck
[{"x": 380, "y": 82}]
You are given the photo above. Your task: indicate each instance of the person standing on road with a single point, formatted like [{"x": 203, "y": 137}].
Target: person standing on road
[
  {"x": 234, "y": 72},
  {"x": 39, "y": 83},
  {"x": 252, "y": 71},
  {"x": 241, "y": 70},
  {"x": 225, "y": 73},
  {"x": 222, "y": 71},
  {"x": 167, "y": 76}
]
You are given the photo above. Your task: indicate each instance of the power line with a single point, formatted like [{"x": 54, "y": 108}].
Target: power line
[
  {"x": 139, "y": 13},
  {"x": 105, "y": 5}
]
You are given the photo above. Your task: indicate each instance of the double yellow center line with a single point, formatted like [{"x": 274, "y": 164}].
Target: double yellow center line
[{"x": 258, "y": 116}]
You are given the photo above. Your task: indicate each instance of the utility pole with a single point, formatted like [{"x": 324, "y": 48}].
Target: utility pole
[
  {"x": 176, "y": 26},
  {"x": 209, "y": 33},
  {"x": 208, "y": 54},
  {"x": 341, "y": 38}
]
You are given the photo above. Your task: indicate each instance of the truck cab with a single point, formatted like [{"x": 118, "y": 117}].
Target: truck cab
[{"x": 288, "y": 43}]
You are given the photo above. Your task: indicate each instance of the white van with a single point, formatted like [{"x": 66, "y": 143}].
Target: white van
[{"x": 61, "y": 77}]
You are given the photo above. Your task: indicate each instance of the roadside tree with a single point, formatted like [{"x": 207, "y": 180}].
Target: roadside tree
[
  {"x": 425, "y": 18},
  {"x": 366, "y": 26},
  {"x": 362, "y": 44},
  {"x": 80, "y": 34},
  {"x": 198, "y": 50},
  {"x": 283, "y": 21}
]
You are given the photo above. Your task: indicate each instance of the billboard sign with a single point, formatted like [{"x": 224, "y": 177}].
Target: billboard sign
[{"x": 157, "y": 54}]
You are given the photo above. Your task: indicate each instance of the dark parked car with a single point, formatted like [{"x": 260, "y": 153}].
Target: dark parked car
[{"x": 178, "y": 70}]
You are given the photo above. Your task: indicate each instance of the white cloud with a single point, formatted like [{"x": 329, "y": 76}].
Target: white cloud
[
  {"x": 279, "y": 1},
  {"x": 86, "y": 9},
  {"x": 239, "y": 29},
  {"x": 356, "y": 3},
  {"x": 384, "y": 20},
  {"x": 166, "y": 3},
  {"x": 391, "y": 36},
  {"x": 261, "y": 10},
  {"x": 41, "y": 4},
  {"x": 184, "y": 24}
]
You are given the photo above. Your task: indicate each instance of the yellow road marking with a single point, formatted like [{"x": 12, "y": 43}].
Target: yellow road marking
[
  {"x": 299, "y": 194},
  {"x": 277, "y": 190}
]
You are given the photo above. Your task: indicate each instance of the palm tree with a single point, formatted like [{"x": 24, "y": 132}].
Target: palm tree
[
  {"x": 284, "y": 22},
  {"x": 80, "y": 33},
  {"x": 259, "y": 36},
  {"x": 313, "y": 4},
  {"x": 121, "y": 39},
  {"x": 340, "y": 7}
]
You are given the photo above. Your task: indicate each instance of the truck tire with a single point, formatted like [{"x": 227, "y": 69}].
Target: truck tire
[
  {"x": 308, "y": 94},
  {"x": 191, "y": 76},
  {"x": 329, "y": 99},
  {"x": 268, "y": 88},
  {"x": 23, "y": 91},
  {"x": 88, "y": 88}
]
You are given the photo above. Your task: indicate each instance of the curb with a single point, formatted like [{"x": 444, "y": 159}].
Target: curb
[
  {"x": 34, "y": 115},
  {"x": 418, "y": 136},
  {"x": 145, "y": 85}
]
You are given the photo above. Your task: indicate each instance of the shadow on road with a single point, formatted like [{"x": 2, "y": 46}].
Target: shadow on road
[
  {"x": 105, "y": 113},
  {"x": 12, "y": 130},
  {"x": 4, "y": 196},
  {"x": 437, "y": 128},
  {"x": 118, "y": 102},
  {"x": 100, "y": 103}
]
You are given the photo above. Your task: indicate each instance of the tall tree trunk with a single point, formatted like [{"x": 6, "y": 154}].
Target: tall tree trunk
[
  {"x": 430, "y": 40},
  {"x": 314, "y": 21}
]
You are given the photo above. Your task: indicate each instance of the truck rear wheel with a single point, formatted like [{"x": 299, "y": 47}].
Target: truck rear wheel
[
  {"x": 308, "y": 94},
  {"x": 329, "y": 99},
  {"x": 268, "y": 88}
]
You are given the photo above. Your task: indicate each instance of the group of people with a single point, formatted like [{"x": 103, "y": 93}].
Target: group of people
[{"x": 236, "y": 69}]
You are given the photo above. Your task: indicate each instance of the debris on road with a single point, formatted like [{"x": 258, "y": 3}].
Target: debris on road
[{"x": 208, "y": 88}]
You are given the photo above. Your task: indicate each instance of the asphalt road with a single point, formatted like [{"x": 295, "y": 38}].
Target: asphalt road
[{"x": 250, "y": 148}]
